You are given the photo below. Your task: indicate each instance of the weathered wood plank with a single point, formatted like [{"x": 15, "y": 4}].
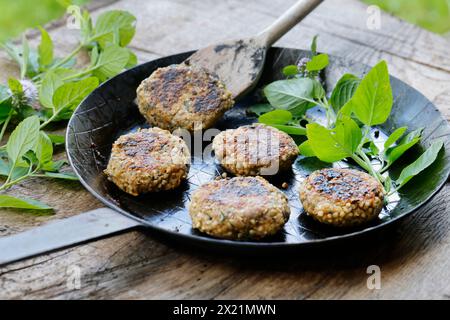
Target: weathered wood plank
[
  {"x": 414, "y": 260},
  {"x": 413, "y": 263}
]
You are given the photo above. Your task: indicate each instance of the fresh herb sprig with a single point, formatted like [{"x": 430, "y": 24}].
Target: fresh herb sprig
[
  {"x": 356, "y": 106},
  {"x": 48, "y": 90},
  {"x": 44, "y": 78},
  {"x": 29, "y": 153}
]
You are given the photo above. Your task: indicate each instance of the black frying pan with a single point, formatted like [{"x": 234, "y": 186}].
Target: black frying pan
[{"x": 110, "y": 111}]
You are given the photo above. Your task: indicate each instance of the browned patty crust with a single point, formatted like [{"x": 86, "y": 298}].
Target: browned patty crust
[
  {"x": 255, "y": 149},
  {"x": 182, "y": 96},
  {"x": 148, "y": 160},
  {"x": 341, "y": 197},
  {"x": 239, "y": 208}
]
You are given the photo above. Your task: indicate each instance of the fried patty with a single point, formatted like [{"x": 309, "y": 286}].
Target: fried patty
[
  {"x": 341, "y": 197},
  {"x": 255, "y": 149},
  {"x": 148, "y": 160},
  {"x": 182, "y": 96},
  {"x": 239, "y": 208}
]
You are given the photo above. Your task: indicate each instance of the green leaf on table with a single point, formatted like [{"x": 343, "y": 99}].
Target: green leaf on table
[
  {"x": 332, "y": 145},
  {"x": 290, "y": 70},
  {"x": 260, "y": 108},
  {"x": 5, "y": 103},
  {"x": 50, "y": 83},
  {"x": 132, "y": 59},
  {"x": 317, "y": 62},
  {"x": 372, "y": 100},
  {"x": 7, "y": 201},
  {"x": 45, "y": 49},
  {"x": 306, "y": 150},
  {"x": 60, "y": 175},
  {"x": 394, "y": 137},
  {"x": 111, "y": 61},
  {"x": 17, "y": 172},
  {"x": 94, "y": 56},
  {"x": 295, "y": 130},
  {"x": 67, "y": 97},
  {"x": 393, "y": 153},
  {"x": 280, "y": 119},
  {"x": 53, "y": 166},
  {"x": 56, "y": 139},
  {"x": 43, "y": 148},
  {"x": 423, "y": 162},
  {"x": 314, "y": 45},
  {"x": 115, "y": 21},
  {"x": 276, "y": 117},
  {"x": 296, "y": 95},
  {"x": 15, "y": 86},
  {"x": 343, "y": 91},
  {"x": 22, "y": 139}
]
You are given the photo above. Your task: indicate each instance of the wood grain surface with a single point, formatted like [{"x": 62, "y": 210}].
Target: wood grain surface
[{"x": 414, "y": 257}]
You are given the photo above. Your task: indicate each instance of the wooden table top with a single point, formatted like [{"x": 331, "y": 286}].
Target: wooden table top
[{"x": 414, "y": 257}]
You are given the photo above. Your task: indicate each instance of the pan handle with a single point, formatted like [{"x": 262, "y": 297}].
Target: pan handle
[
  {"x": 63, "y": 233},
  {"x": 287, "y": 21}
]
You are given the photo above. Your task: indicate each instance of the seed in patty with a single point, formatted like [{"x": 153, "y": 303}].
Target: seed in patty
[
  {"x": 182, "y": 96},
  {"x": 148, "y": 160},
  {"x": 255, "y": 150},
  {"x": 341, "y": 197},
  {"x": 239, "y": 208}
]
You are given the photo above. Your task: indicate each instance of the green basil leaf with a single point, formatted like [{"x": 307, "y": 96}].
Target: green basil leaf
[
  {"x": 56, "y": 139},
  {"x": 372, "y": 100},
  {"x": 67, "y": 97},
  {"x": 394, "y": 137},
  {"x": 111, "y": 61},
  {"x": 343, "y": 91},
  {"x": 298, "y": 94},
  {"x": 423, "y": 162},
  {"x": 94, "y": 56},
  {"x": 260, "y": 108},
  {"x": 59, "y": 175},
  {"x": 393, "y": 153},
  {"x": 348, "y": 133},
  {"x": 323, "y": 144},
  {"x": 50, "y": 83},
  {"x": 306, "y": 150},
  {"x": 388, "y": 184},
  {"x": 53, "y": 166},
  {"x": 132, "y": 60},
  {"x": 314, "y": 45},
  {"x": 290, "y": 129},
  {"x": 15, "y": 86},
  {"x": 45, "y": 49},
  {"x": 317, "y": 62},
  {"x": 22, "y": 139},
  {"x": 276, "y": 117},
  {"x": 43, "y": 148},
  {"x": 113, "y": 21},
  {"x": 22, "y": 203},
  {"x": 335, "y": 144},
  {"x": 290, "y": 70},
  {"x": 373, "y": 149}
]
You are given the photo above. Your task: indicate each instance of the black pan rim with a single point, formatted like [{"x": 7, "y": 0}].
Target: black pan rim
[{"x": 231, "y": 243}]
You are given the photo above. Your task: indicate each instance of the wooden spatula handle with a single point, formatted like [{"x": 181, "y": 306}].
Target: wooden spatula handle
[{"x": 288, "y": 20}]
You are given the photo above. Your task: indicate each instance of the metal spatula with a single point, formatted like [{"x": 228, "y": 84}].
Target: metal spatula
[{"x": 238, "y": 63}]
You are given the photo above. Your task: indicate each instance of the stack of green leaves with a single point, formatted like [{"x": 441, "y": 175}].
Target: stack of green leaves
[
  {"x": 49, "y": 90},
  {"x": 355, "y": 107}
]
